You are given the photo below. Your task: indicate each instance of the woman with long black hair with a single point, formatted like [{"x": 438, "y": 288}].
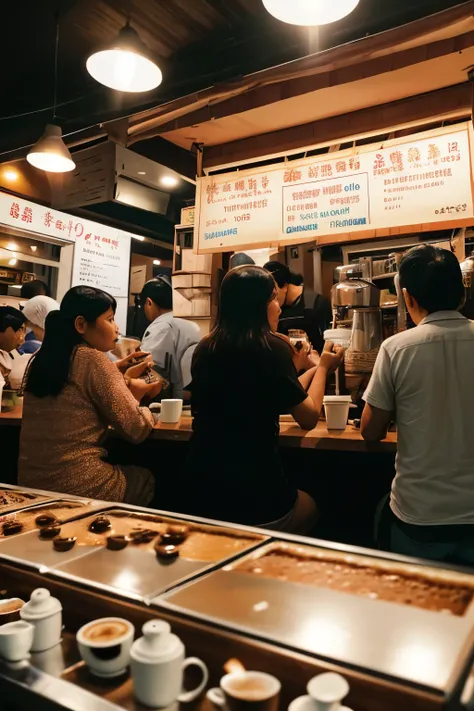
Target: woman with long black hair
[
  {"x": 243, "y": 378},
  {"x": 73, "y": 393}
]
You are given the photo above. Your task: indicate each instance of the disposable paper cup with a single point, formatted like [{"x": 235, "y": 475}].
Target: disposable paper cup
[
  {"x": 337, "y": 411},
  {"x": 171, "y": 411}
]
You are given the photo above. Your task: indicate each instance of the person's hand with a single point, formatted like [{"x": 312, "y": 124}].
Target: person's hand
[
  {"x": 136, "y": 371},
  {"x": 125, "y": 363},
  {"x": 313, "y": 359},
  {"x": 331, "y": 357},
  {"x": 140, "y": 389}
]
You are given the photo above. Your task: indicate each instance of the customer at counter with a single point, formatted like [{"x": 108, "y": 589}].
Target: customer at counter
[
  {"x": 423, "y": 378},
  {"x": 12, "y": 335},
  {"x": 243, "y": 378},
  {"x": 295, "y": 314},
  {"x": 35, "y": 311},
  {"x": 167, "y": 338},
  {"x": 73, "y": 393}
]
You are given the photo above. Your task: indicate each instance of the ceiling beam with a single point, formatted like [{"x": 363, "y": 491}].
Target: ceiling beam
[
  {"x": 273, "y": 84},
  {"x": 272, "y": 93},
  {"x": 452, "y": 102}
]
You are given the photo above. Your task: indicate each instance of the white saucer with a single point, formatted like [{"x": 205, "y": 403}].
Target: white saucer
[{"x": 306, "y": 703}]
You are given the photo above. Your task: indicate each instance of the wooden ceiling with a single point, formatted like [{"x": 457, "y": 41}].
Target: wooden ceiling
[{"x": 199, "y": 43}]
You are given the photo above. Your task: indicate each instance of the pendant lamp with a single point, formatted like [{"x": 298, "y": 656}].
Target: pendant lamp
[
  {"x": 310, "y": 12},
  {"x": 50, "y": 152},
  {"x": 126, "y": 65}
]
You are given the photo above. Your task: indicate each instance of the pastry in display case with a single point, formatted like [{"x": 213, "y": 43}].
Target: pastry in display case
[
  {"x": 129, "y": 552},
  {"x": 40, "y": 517},
  {"x": 14, "y": 499}
]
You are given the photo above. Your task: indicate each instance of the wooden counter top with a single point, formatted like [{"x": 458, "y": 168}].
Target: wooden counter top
[{"x": 291, "y": 435}]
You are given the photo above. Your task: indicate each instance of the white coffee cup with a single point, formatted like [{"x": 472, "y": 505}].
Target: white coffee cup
[
  {"x": 158, "y": 664},
  {"x": 16, "y": 639},
  {"x": 171, "y": 411},
  {"x": 241, "y": 690},
  {"x": 105, "y": 644},
  {"x": 337, "y": 411}
]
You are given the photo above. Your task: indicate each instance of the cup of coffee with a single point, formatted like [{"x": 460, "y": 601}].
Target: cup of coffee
[
  {"x": 105, "y": 644},
  {"x": 10, "y": 609},
  {"x": 171, "y": 411},
  {"x": 246, "y": 691},
  {"x": 16, "y": 639},
  {"x": 337, "y": 411}
]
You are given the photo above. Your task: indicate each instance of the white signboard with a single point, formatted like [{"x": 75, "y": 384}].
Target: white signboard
[
  {"x": 421, "y": 180},
  {"x": 102, "y": 259},
  {"x": 31, "y": 217}
]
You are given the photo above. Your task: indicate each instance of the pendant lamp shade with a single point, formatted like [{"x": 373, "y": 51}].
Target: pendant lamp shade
[
  {"x": 50, "y": 152},
  {"x": 310, "y": 12},
  {"x": 126, "y": 65}
]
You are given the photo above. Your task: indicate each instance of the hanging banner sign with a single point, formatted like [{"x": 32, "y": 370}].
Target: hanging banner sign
[
  {"x": 102, "y": 259},
  {"x": 31, "y": 217},
  {"x": 420, "y": 180}
]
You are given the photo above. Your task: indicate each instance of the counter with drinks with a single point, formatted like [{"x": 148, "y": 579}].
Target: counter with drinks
[
  {"x": 292, "y": 620},
  {"x": 291, "y": 435}
]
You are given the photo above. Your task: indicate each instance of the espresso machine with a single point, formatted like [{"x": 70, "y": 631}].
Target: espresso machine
[{"x": 355, "y": 301}]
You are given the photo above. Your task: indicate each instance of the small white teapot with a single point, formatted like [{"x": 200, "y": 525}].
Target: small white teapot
[{"x": 325, "y": 693}]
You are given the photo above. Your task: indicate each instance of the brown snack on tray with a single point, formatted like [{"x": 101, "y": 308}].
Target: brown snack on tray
[
  {"x": 48, "y": 532},
  {"x": 64, "y": 544},
  {"x": 10, "y": 528},
  {"x": 117, "y": 543},
  {"x": 101, "y": 524},
  {"x": 166, "y": 552},
  {"x": 46, "y": 520}
]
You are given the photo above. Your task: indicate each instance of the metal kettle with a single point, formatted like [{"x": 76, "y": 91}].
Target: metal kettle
[{"x": 367, "y": 333}]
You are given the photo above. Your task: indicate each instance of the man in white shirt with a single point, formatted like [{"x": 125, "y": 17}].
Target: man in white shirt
[
  {"x": 423, "y": 380},
  {"x": 167, "y": 338}
]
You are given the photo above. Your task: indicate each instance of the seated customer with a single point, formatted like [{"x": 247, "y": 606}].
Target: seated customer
[
  {"x": 12, "y": 335},
  {"x": 422, "y": 378},
  {"x": 35, "y": 312},
  {"x": 243, "y": 378},
  {"x": 167, "y": 338},
  {"x": 35, "y": 287},
  {"x": 73, "y": 394}
]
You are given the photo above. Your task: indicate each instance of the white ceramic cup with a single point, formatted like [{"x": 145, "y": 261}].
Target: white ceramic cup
[
  {"x": 171, "y": 411},
  {"x": 337, "y": 411},
  {"x": 164, "y": 685},
  {"x": 240, "y": 690},
  {"x": 16, "y": 639},
  {"x": 107, "y": 656}
]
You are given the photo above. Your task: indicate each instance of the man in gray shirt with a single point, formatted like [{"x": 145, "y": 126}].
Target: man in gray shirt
[
  {"x": 167, "y": 338},
  {"x": 423, "y": 380}
]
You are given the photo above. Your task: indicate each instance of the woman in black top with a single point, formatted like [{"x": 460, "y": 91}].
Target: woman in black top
[
  {"x": 295, "y": 311},
  {"x": 234, "y": 472}
]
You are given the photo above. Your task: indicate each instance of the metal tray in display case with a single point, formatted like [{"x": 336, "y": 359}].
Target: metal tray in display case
[
  {"x": 136, "y": 571},
  {"x": 26, "y": 547},
  {"x": 15, "y": 498},
  {"x": 418, "y": 648}
]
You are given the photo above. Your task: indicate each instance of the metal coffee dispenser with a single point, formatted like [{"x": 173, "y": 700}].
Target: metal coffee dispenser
[{"x": 356, "y": 305}]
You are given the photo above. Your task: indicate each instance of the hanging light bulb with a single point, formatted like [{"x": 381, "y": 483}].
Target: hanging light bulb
[
  {"x": 50, "y": 152},
  {"x": 310, "y": 12},
  {"x": 126, "y": 65}
]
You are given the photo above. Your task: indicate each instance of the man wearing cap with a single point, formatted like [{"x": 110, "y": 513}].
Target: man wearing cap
[
  {"x": 170, "y": 340},
  {"x": 294, "y": 312}
]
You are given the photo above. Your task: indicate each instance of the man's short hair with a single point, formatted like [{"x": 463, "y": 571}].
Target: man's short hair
[
  {"x": 159, "y": 291},
  {"x": 11, "y": 317},
  {"x": 36, "y": 287},
  {"x": 240, "y": 259},
  {"x": 432, "y": 276}
]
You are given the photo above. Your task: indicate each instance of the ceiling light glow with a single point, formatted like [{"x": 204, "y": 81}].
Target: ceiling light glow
[{"x": 310, "y": 12}]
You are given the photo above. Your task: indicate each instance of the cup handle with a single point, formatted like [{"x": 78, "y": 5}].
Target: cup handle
[
  {"x": 216, "y": 697},
  {"x": 186, "y": 696}
]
